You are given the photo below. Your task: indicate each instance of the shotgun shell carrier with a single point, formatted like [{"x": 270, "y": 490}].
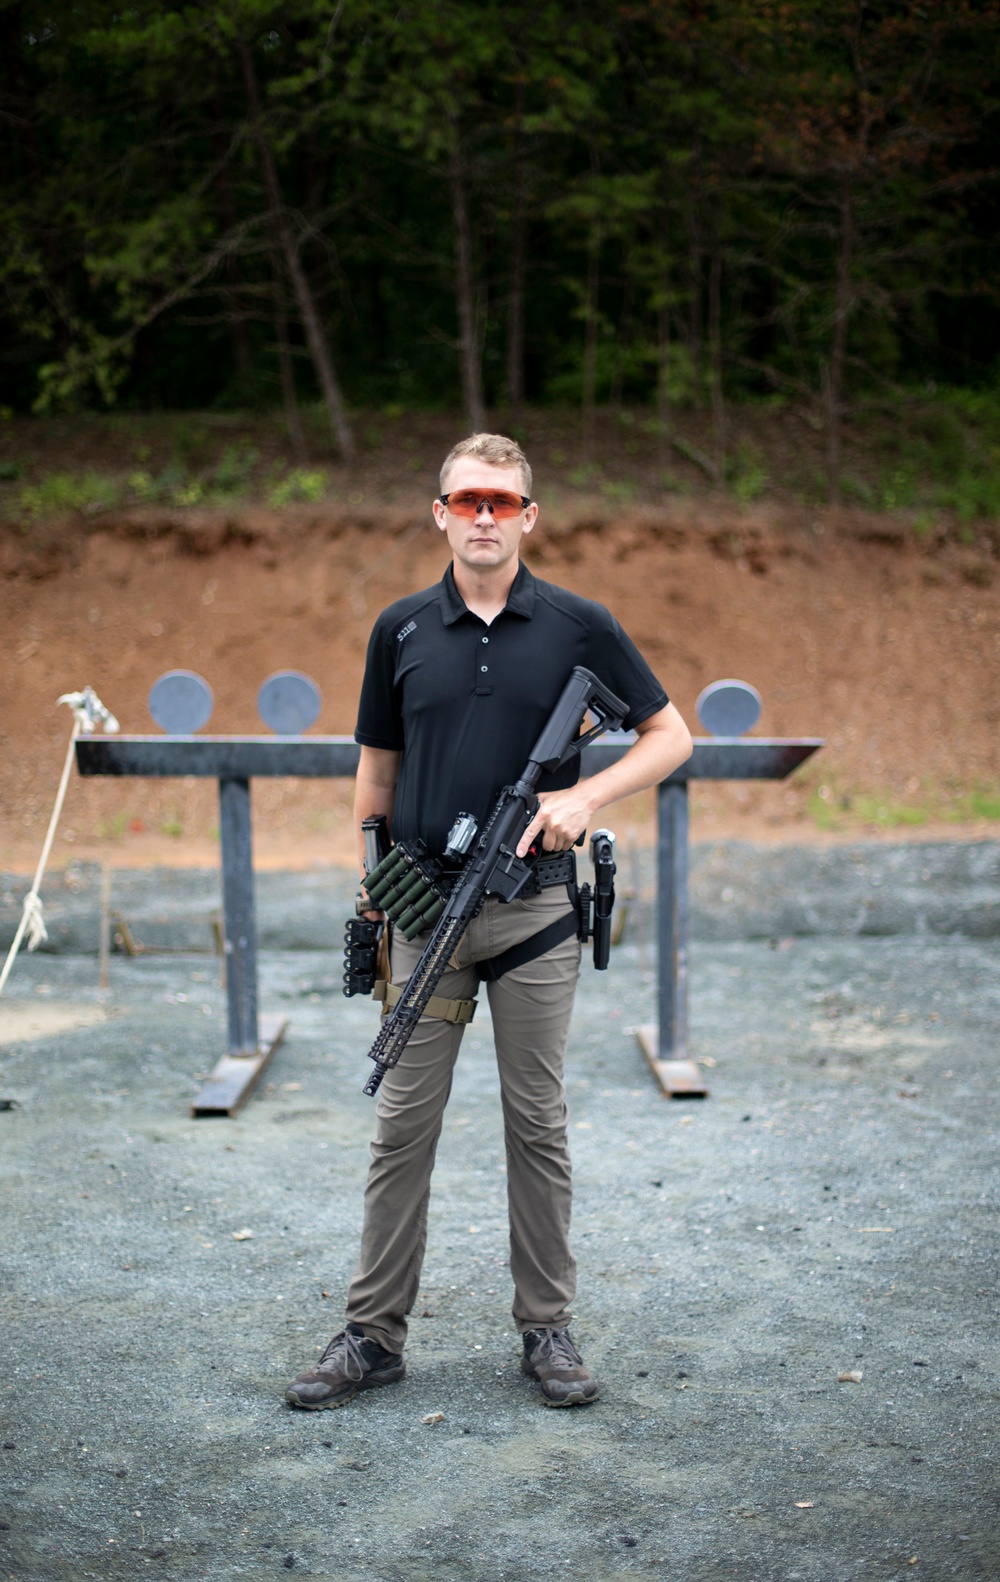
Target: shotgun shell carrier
[{"x": 406, "y": 886}]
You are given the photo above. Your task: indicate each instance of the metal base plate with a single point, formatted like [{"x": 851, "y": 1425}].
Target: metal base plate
[
  {"x": 678, "y": 1079},
  {"x": 236, "y": 1076}
]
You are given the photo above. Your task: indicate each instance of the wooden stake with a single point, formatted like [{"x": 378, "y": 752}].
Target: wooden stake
[{"x": 105, "y": 942}]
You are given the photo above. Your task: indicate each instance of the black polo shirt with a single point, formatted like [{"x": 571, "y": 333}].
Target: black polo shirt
[{"x": 465, "y": 702}]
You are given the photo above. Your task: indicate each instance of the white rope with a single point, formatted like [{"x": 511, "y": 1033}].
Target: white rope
[{"x": 88, "y": 713}]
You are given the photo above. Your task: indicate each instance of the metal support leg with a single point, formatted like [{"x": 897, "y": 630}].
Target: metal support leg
[
  {"x": 665, "y": 1047},
  {"x": 672, "y": 918},
  {"x": 239, "y": 915},
  {"x": 250, "y": 1048}
]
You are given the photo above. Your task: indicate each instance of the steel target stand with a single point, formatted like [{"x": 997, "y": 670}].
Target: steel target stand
[
  {"x": 236, "y": 760},
  {"x": 181, "y": 703}
]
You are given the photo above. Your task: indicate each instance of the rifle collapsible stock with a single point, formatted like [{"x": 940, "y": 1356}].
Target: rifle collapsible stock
[{"x": 492, "y": 866}]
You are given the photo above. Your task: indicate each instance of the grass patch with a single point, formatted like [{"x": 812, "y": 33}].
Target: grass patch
[
  {"x": 883, "y": 812},
  {"x": 60, "y": 492},
  {"x": 299, "y": 485},
  {"x": 839, "y": 808},
  {"x": 932, "y": 457},
  {"x": 746, "y": 473},
  {"x": 113, "y": 828},
  {"x": 230, "y": 481},
  {"x": 979, "y": 803},
  {"x": 950, "y": 458}
]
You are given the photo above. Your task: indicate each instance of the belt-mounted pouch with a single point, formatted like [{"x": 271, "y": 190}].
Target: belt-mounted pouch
[{"x": 363, "y": 945}]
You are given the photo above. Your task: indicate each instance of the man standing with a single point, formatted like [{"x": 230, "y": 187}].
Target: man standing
[{"x": 459, "y": 681}]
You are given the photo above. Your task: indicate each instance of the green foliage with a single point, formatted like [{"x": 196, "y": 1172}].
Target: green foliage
[
  {"x": 771, "y": 196},
  {"x": 233, "y": 471},
  {"x": 898, "y": 491},
  {"x": 298, "y": 484},
  {"x": 60, "y": 492},
  {"x": 746, "y": 473},
  {"x": 950, "y": 456}
]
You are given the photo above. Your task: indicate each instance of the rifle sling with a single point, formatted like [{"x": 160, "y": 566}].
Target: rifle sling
[
  {"x": 529, "y": 949},
  {"x": 462, "y": 1011}
]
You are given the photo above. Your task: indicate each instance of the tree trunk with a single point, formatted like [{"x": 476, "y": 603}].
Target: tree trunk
[
  {"x": 286, "y": 371},
  {"x": 590, "y": 342},
  {"x": 472, "y": 387},
  {"x": 663, "y": 383},
  {"x": 621, "y": 347},
  {"x": 663, "y": 348},
  {"x": 319, "y": 351},
  {"x": 719, "y": 436},
  {"x": 833, "y": 375},
  {"x": 242, "y": 353},
  {"x": 238, "y": 332},
  {"x": 518, "y": 272},
  {"x": 695, "y": 265}
]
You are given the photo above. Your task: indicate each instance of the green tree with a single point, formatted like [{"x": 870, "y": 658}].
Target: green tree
[{"x": 872, "y": 102}]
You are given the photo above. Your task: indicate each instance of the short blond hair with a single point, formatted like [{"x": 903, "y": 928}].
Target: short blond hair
[{"x": 497, "y": 450}]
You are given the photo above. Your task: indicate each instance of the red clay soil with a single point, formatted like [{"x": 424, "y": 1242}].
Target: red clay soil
[{"x": 848, "y": 625}]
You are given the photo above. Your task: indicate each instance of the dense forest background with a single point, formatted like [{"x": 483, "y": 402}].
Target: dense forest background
[{"x": 633, "y": 210}]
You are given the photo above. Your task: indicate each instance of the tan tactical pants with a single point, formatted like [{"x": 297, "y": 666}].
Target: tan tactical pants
[{"x": 531, "y": 1008}]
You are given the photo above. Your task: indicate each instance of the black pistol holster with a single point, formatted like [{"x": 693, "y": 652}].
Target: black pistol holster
[{"x": 595, "y": 905}]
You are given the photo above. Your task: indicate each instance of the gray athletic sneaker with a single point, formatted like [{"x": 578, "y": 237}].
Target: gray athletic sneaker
[
  {"x": 551, "y": 1358},
  {"x": 351, "y": 1362}
]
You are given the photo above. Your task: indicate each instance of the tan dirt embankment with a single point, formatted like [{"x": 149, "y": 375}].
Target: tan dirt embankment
[{"x": 851, "y": 626}]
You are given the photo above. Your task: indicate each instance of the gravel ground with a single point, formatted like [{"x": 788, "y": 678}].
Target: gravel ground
[
  {"x": 829, "y": 1209},
  {"x": 738, "y": 891}
]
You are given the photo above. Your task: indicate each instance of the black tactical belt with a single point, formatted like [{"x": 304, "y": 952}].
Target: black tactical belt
[{"x": 546, "y": 872}]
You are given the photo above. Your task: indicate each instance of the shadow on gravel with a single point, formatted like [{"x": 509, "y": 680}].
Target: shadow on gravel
[{"x": 830, "y": 1210}]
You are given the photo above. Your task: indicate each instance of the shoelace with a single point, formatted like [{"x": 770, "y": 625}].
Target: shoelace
[
  {"x": 558, "y": 1350},
  {"x": 346, "y": 1349}
]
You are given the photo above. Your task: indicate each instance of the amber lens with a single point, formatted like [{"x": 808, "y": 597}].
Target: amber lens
[{"x": 466, "y": 502}]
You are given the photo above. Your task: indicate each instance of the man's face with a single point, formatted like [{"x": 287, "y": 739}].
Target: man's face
[{"x": 483, "y": 542}]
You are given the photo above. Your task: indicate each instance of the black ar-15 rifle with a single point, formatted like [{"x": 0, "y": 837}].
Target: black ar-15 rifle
[{"x": 492, "y": 866}]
